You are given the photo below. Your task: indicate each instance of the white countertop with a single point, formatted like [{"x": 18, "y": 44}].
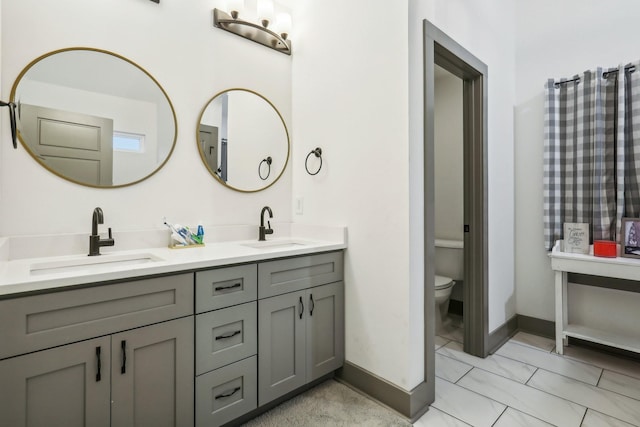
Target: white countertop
[{"x": 16, "y": 274}]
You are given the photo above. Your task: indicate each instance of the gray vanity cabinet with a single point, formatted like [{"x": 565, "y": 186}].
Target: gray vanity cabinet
[
  {"x": 301, "y": 338},
  {"x": 282, "y": 342},
  {"x": 112, "y": 355},
  {"x": 325, "y": 330},
  {"x": 152, "y": 375},
  {"x": 64, "y": 386},
  {"x": 226, "y": 344},
  {"x": 147, "y": 381}
]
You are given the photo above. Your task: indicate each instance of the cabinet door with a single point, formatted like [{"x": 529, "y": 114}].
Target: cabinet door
[
  {"x": 57, "y": 387},
  {"x": 325, "y": 329},
  {"x": 281, "y": 342},
  {"x": 152, "y": 375}
]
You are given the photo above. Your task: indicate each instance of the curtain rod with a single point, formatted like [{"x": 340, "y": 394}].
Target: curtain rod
[{"x": 629, "y": 68}]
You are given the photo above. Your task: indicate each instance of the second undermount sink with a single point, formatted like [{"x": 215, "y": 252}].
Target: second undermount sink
[
  {"x": 276, "y": 244},
  {"x": 94, "y": 263}
]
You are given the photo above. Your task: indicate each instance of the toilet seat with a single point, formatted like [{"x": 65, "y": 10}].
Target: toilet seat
[{"x": 443, "y": 282}]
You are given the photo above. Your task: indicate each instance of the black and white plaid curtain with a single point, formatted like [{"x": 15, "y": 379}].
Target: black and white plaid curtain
[{"x": 592, "y": 151}]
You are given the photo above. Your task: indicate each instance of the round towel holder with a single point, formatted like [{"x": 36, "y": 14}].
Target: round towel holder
[
  {"x": 268, "y": 161},
  {"x": 318, "y": 153}
]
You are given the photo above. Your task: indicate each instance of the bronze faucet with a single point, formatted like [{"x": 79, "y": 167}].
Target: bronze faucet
[
  {"x": 95, "y": 242},
  {"x": 262, "y": 230}
]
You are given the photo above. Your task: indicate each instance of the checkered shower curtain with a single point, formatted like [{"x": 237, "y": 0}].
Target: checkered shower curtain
[{"x": 592, "y": 152}]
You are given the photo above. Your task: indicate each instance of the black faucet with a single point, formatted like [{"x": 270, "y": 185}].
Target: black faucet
[
  {"x": 94, "y": 240},
  {"x": 262, "y": 230}
]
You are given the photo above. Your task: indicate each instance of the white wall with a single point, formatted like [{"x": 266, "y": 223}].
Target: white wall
[
  {"x": 357, "y": 95},
  {"x": 177, "y": 44},
  {"x": 351, "y": 99},
  {"x": 486, "y": 28},
  {"x": 558, "y": 39}
]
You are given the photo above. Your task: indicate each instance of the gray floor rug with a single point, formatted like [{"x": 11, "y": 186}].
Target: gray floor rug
[{"x": 329, "y": 404}]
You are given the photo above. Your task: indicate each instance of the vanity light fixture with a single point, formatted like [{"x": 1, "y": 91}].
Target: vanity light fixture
[{"x": 275, "y": 36}]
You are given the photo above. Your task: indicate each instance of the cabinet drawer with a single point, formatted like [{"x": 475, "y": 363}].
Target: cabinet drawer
[
  {"x": 226, "y": 393},
  {"x": 42, "y": 321},
  {"x": 224, "y": 287},
  {"x": 293, "y": 274},
  {"x": 225, "y": 336}
]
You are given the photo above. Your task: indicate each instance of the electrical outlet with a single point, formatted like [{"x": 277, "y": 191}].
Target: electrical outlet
[{"x": 299, "y": 205}]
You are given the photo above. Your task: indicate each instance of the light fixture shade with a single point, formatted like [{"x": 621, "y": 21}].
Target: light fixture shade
[
  {"x": 235, "y": 7},
  {"x": 283, "y": 24},
  {"x": 265, "y": 12}
]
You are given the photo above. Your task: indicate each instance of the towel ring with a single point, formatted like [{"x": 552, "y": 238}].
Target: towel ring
[
  {"x": 268, "y": 161},
  {"x": 12, "y": 118},
  {"x": 318, "y": 153}
]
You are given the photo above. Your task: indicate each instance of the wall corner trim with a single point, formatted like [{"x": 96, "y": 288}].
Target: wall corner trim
[{"x": 410, "y": 404}]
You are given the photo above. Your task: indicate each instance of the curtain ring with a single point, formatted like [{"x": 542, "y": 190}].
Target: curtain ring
[
  {"x": 268, "y": 161},
  {"x": 318, "y": 153}
]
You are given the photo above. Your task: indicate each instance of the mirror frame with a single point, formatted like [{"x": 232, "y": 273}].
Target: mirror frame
[
  {"x": 106, "y": 52},
  {"x": 204, "y": 160}
]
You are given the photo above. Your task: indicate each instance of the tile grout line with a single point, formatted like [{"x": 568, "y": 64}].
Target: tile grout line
[
  {"x": 600, "y": 378},
  {"x": 465, "y": 374},
  {"x": 456, "y": 418},
  {"x": 500, "y": 416},
  {"x": 584, "y": 416},
  {"x": 534, "y": 372}
]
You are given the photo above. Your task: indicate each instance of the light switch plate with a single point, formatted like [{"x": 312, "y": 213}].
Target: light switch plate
[{"x": 299, "y": 205}]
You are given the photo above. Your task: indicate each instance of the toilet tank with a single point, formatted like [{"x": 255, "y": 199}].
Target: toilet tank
[{"x": 450, "y": 258}]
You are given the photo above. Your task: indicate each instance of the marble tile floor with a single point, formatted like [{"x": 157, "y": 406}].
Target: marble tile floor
[{"x": 526, "y": 384}]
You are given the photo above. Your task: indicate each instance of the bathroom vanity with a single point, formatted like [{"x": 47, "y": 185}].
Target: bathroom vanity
[{"x": 224, "y": 329}]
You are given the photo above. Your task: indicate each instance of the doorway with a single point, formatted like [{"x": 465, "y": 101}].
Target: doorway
[{"x": 441, "y": 50}]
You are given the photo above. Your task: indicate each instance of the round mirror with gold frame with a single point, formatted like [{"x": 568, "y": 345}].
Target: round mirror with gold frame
[
  {"x": 243, "y": 140},
  {"x": 94, "y": 117}
]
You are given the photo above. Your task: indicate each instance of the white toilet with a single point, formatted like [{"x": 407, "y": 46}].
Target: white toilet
[
  {"x": 444, "y": 286},
  {"x": 449, "y": 263}
]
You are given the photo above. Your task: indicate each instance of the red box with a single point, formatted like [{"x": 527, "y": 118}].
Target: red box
[{"x": 605, "y": 248}]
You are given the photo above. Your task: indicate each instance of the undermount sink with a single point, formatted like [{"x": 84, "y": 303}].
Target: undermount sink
[
  {"x": 276, "y": 244},
  {"x": 93, "y": 263}
]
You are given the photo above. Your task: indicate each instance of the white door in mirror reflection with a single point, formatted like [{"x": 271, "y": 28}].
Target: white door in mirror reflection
[
  {"x": 77, "y": 146},
  {"x": 209, "y": 142},
  {"x": 250, "y": 130}
]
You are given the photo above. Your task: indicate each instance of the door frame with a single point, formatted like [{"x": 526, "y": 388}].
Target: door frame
[{"x": 442, "y": 50}]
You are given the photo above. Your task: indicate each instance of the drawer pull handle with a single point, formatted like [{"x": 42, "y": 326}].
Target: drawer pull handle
[
  {"x": 224, "y": 288},
  {"x": 228, "y": 335},
  {"x": 313, "y": 305},
  {"x": 99, "y": 357},
  {"x": 301, "y": 307},
  {"x": 228, "y": 393},
  {"x": 123, "y": 346}
]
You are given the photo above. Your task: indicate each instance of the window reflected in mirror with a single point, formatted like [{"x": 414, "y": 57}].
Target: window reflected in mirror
[{"x": 94, "y": 117}]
